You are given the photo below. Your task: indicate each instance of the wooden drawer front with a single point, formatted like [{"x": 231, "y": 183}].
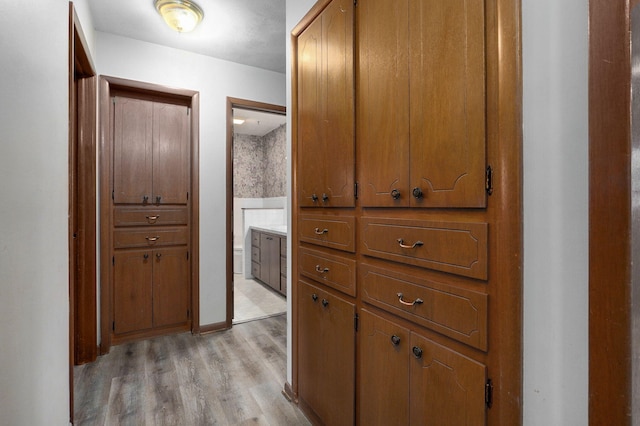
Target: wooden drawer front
[
  {"x": 255, "y": 254},
  {"x": 150, "y": 237},
  {"x": 457, "y": 313},
  {"x": 128, "y": 216},
  {"x": 455, "y": 247},
  {"x": 283, "y": 266},
  {"x": 337, "y": 232},
  {"x": 334, "y": 271},
  {"x": 255, "y": 238},
  {"x": 255, "y": 269}
]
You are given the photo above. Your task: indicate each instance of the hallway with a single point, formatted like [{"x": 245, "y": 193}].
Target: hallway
[{"x": 233, "y": 377}]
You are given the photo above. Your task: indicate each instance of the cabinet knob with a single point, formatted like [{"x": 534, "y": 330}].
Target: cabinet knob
[
  {"x": 325, "y": 302},
  {"x": 395, "y": 194},
  {"x": 314, "y": 297},
  {"x": 417, "y": 352},
  {"x": 314, "y": 198},
  {"x": 395, "y": 340},
  {"x": 158, "y": 198},
  {"x": 146, "y": 256},
  {"x": 417, "y": 192},
  {"x": 158, "y": 255},
  {"x": 145, "y": 199},
  {"x": 325, "y": 198}
]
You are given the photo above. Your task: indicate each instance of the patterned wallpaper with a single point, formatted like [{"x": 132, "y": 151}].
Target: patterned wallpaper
[{"x": 259, "y": 165}]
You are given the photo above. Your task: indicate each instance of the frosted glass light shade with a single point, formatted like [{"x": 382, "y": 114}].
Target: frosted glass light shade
[{"x": 180, "y": 15}]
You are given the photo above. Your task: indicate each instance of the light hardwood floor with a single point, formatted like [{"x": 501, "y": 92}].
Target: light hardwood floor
[{"x": 233, "y": 377}]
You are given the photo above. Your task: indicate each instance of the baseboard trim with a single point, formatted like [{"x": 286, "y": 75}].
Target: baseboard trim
[
  {"x": 288, "y": 393},
  {"x": 212, "y": 328}
]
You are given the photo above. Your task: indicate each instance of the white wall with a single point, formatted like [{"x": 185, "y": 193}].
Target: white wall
[
  {"x": 34, "y": 295},
  {"x": 555, "y": 212},
  {"x": 215, "y": 80},
  {"x": 295, "y": 12}
]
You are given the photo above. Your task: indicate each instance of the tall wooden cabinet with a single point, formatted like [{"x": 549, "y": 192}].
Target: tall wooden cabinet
[
  {"x": 428, "y": 251},
  {"x": 150, "y": 226}
]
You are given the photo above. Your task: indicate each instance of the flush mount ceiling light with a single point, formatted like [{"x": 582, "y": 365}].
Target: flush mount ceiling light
[
  {"x": 180, "y": 15},
  {"x": 238, "y": 120}
]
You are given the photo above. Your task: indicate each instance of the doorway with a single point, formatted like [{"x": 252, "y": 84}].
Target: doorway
[{"x": 256, "y": 197}]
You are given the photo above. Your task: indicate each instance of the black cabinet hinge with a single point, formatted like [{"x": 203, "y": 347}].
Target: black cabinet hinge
[
  {"x": 113, "y": 260},
  {"x": 488, "y": 393},
  {"x": 355, "y": 322},
  {"x": 188, "y": 313},
  {"x": 187, "y": 195},
  {"x": 188, "y": 254},
  {"x": 488, "y": 182},
  {"x": 113, "y": 195},
  {"x": 113, "y": 326},
  {"x": 355, "y": 190}
]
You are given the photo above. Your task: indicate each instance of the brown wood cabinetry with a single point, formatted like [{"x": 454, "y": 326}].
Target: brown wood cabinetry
[
  {"x": 326, "y": 108},
  {"x": 268, "y": 255},
  {"x": 428, "y": 253},
  {"x": 421, "y": 103},
  {"x": 150, "y": 235},
  {"x": 327, "y": 353}
]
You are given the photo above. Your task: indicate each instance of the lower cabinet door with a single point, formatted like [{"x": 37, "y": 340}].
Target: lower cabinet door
[
  {"x": 326, "y": 355},
  {"x": 384, "y": 372},
  {"x": 132, "y": 290},
  {"x": 447, "y": 388},
  {"x": 171, "y": 290}
]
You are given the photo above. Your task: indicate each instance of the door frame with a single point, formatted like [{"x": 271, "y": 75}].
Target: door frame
[
  {"x": 107, "y": 86},
  {"x": 614, "y": 334},
  {"x": 82, "y": 201},
  {"x": 255, "y": 106}
]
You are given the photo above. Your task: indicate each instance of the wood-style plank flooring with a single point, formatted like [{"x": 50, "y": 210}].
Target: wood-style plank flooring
[{"x": 233, "y": 377}]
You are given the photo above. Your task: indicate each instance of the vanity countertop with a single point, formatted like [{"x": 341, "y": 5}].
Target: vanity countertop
[{"x": 274, "y": 229}]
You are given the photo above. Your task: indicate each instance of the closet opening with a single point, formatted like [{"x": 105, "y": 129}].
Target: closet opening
[{"x": 256, "y": 210}]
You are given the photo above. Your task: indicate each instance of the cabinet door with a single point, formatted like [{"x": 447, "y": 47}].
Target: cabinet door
[
  {"x": 447, "y": 102},
  {"x": 383, "y": 371},
  {"x": 327, "y": 355},
  {"x": 170, "y": 286},
  {"x": 383, "y": 103},
  {"x": 132, "y": 289},
  {"x": 326, "y": 109},
  {"x": 447, "y": 388},
  {"x": 132, "y": 150},
  {"x": 171, "y": 127}
]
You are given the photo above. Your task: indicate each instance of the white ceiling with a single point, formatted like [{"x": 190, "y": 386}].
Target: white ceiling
[
  {"x": 249, "y": 32},
  {"x": 257, "y": 123}
]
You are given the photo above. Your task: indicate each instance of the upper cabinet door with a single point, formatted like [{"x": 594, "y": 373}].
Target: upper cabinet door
[
  {"x": 132, "y": 151},
  {"x": 421, "y": 103},
  {"x": 171, "y": 126},
  {"x": 383, "y": 103},
  {"x": 447, "y": 102},
  {"x": 326, "y": 153}
]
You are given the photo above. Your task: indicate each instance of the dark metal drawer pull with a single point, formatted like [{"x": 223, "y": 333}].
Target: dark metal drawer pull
[
  {"x": 415, "y": 302},
  {"x": 152, "y": 239},
  {"x": 395, "y": 194},
  {"x": 417, "y": 352},
  {"x": 320, "y": 232},
  {"x": 321, "y": 270},
  {"x": 325, "y": 302},
  {"x": 395, "y": 340},
  {"x": 403, "y": 245},
  {"x": 314, "y": 297}
]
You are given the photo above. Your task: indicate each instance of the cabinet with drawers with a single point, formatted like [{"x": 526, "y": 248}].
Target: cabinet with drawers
[
  {"x": 429, "y": 251},
  {"x": 269, "y": 259}
]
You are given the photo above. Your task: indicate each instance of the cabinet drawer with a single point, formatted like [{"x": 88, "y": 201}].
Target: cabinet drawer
[
  {"x": 150, "y": 237},
  {"x": 456, "y": 247},
  {"x": 334, "y": 271},
  {"x": 455, "y": 312},
  {"x": 255, "y": 254},
  {"x": 255, "y": 238},
  {"x": 255, "y": 270},
  {"x": 336, "y": 232},
  {"x": 136, "y": 216}
]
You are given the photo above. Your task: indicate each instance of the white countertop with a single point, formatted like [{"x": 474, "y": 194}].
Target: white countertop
[{"x": 274, "y": 229}]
